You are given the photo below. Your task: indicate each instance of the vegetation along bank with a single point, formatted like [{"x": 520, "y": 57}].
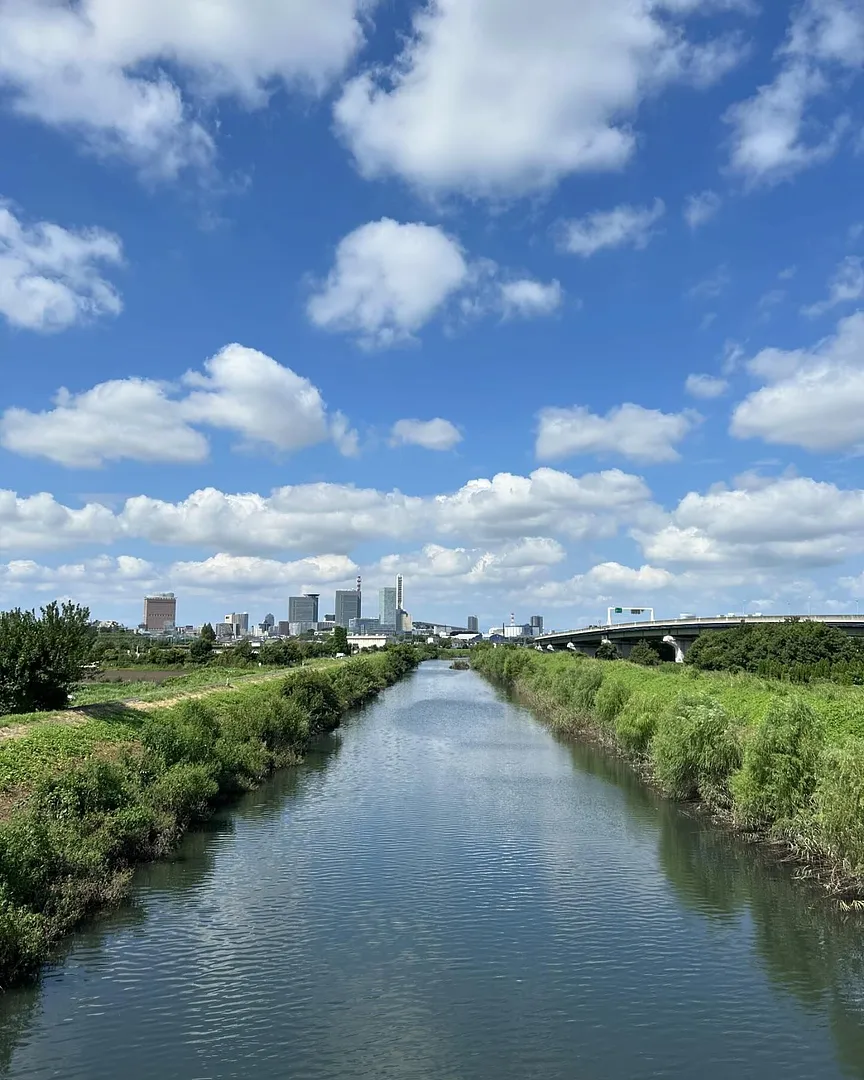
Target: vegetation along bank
[
  {"x": 780, "y": 760},
  {"x": 81, "y": 803}
]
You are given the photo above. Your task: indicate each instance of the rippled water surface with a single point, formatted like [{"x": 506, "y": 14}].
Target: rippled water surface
[{"x": 445, "y": 890}]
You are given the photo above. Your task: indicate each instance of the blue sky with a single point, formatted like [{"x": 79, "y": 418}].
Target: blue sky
[{"x": 547, "y": 306}]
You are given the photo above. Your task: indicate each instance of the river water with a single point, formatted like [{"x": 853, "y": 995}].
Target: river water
[{"x": 444, "y": 890}]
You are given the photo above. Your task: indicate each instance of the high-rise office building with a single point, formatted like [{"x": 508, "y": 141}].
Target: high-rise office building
[
  {"x": 160, "y": 611},
  {"x": 239, "y": 623},
  {"x": 473, "y": 624},
  {"x": 303, "y": 609},
  {"x": 387, "y": 608},
  {"x": 536, "y": 625},
  {"x": 347, "y": 606},
  {"x": 269, "y": 622}
]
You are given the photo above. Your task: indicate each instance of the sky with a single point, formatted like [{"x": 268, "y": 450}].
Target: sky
[{"x": 548, "y": 306}]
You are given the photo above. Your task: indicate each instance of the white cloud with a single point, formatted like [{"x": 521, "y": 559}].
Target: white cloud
[
  {"x": 528, "y": 298},
  {"x": 711, "y": 287},
  {"x": 434, "y": 434},
  {"x": 50, "y": 277},
  {"x": 249, "y": 572},
  {"x": 699, "y": 209},
  {"x": 338, "y": 517},
  {"x": 705, "y": 386},
  {"x": 630, "y": 431},
  {"x": 845, "y": 287},
  {"x": 389, "y": 279},
  {"x": 123, "y": 418},
  {"x": 625, "y": 226},
  {"x": 492, "y": 98},
  {"x": 98, "y": 68},
  {"x": 40, "y": 523},
  {"x": 815, "y": 398},
  {"x": 790, "y": 521},
  {"x": 509, "y": 564},
  {"x": 773, "y": 134},
  {"x": 240, "y": 390}
]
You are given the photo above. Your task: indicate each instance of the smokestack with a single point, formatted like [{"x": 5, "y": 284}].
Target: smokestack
[{"x": 358, "y": 583}]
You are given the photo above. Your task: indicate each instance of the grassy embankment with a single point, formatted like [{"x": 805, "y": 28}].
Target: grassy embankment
[
  {"x": 81, "y": 804},
  {"x": 782, "y": 762}
]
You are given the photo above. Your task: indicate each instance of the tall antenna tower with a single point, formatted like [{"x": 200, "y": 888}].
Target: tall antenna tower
[
  {"x": 512, "y": 619},
  {"x": 359, "y": 582}
]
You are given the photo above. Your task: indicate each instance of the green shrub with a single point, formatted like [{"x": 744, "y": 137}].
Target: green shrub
[
  {"x": 312, "y": 692},
  {"x": 635, "y": 725},
  {"x": 609, "y": 700},
  {"x": 186, "y": 790},
  {"x": 838, "y": 803},
  {"x": 586, "y": 684},
  {"x": 96, "y": 787},
  {"x": 644, "y": 655},
  {"x": 781, "y": 759},
  {"x": 695, "y": 750},
  {"x": 608, "y": 650},
  {"x": 186, "y": 733}
]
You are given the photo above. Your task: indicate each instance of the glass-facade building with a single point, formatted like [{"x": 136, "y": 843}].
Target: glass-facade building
[
  {"x": 303, "y": 609},
  {"x": 387, "y": 608},
  {"x": 347, "y": 606}
]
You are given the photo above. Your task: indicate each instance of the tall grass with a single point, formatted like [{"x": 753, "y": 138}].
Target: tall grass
[
  {"x": 85, "y": 803},
  {"x": 781, "y": 759}
]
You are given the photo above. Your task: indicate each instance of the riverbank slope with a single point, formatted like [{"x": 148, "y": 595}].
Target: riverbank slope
[
  {"x": 781, "y": 762},
  {"x": 81, "y": 804}
]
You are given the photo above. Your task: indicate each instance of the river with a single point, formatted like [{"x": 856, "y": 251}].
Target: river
[{"x": 445, "y": 890}]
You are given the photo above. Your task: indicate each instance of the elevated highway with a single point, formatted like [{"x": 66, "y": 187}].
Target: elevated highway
[{"x": 678, "y": 634}]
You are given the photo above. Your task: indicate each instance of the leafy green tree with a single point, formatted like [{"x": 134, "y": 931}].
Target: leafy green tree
[
  {"x": 608, "y": 651},
  {"x": 339, "y": 641},
  {"x": 201, "y": 651},
  {"x": 279, "y": 653},
  {"x": 208, "y": 633},
  {"x": 41, "y": 657},
  {"x": 643, "y": 654}
]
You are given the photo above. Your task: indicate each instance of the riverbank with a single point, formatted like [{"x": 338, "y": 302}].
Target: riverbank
[
  {"x": 781, "y": 763},
  {"x": 81, "y": 804}
]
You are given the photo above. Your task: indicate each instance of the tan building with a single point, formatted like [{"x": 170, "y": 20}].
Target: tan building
[{"x": 160, "y": 612}]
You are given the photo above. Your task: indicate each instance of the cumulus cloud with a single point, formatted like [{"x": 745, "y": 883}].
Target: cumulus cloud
[
  {"x": 706, "y": 386},
  {"x": 526, "y": 297},
  {"x": 815, "y": 398},
  {"x": 51, "y": 277},
  {"x": 388, "y": 280},
  {"x": 509, "y": 564},
  {"x": 845, "y": 287},
  {"x": 391, "y": 278},
  {"x": 434, "y": 434},
  {"x": 625, "y": 226},
  {"x": 249, "y": 571},
  {"x": 699, "y": 209},
  {"x": 240, "y": 390},
  {"x": 337, "y": 517},
  {"x": 630, "y": 431},
  {"x": 773, "y": 133},
  {"x": 99, "y": 69},
  {"x": 786, "y": 522},
  {"x": 497, "y": 99}
]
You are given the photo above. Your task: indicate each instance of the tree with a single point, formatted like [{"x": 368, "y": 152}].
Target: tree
[
  {"x": 201, "y": 651},
  {"x": 41, "y": 657},
  {"x": 642, "y": 653},
  {"x": 607, "y": 651},
  {"x": 208, "y": 633},
  {"x": 339, "y": 640}
]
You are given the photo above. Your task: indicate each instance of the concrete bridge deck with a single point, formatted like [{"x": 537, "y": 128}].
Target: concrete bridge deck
[{"x": 678, "y": 633}]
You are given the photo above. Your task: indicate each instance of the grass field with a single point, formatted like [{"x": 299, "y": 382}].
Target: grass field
[{"x": 781, "y": 761}]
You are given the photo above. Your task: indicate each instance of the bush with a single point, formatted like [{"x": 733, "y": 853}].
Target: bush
[
  {"x": 185, "y": 791},
  {"x": 636, "y": 725},
  {"x": 643, "y": 654},
  {"x": 312, "y": 692},
  {"x": 42, "y": 657},
  {"x": 695, "y": 750},
  {"x": 838, "y": 803},
  {"x": 609, "y": 701},
  {"x": 607, "y": 651},
  {"x": 781, "y": 760},
  {"x": 586, "y": 685}
]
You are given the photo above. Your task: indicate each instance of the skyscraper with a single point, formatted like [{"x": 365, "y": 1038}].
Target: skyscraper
[
  {"x": 536, "y": 625},
  {"x": 473, "y": 624},
  {"x": 400, "y": 597},
  {"x": 303, "y": 609},
  {"x": 160, "y": 611},
  {"x": 387, "y": 608},
  {"x": 348, "y": 604}
]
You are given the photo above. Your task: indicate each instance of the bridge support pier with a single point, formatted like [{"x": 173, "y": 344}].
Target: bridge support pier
[{"x": 679, "y": 647}]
